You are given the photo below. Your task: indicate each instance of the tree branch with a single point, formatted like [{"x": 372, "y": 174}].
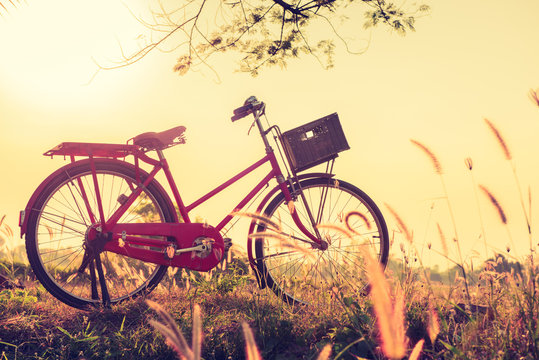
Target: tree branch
[
  {"x": 290, "y": 8},
  {"x": 257, "y": 29}
]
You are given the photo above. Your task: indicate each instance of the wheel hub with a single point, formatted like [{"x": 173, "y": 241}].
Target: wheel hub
[
  {"x": 92, "y": 233},
  {"x": 322, "y": 246},
  {"x": 95, "y": 239}
]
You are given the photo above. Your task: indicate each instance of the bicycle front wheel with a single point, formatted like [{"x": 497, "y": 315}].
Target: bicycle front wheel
[
  {"x": 63, "y": 213},
  {"x": 348, "y": 221}
]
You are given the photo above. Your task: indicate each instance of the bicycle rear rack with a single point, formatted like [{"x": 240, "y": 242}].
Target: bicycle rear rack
[{"x": 93, "y": 150}]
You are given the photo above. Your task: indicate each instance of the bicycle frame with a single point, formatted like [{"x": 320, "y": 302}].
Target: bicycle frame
[{"x": 186, "y": 233}]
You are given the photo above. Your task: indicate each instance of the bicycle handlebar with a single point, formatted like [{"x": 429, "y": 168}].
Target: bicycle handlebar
[{"x": 250, "y": 105}]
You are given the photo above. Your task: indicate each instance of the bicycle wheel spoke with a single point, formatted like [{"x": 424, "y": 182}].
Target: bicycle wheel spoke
[
  {"x": 60, "y": 227},
  {"x": 346, "y": 256},
  {"x": 273, "y": 256},
  {"x": 132, "y": 215},
  {"x": 328, "y": 273},
  {"x": 52, "y": 251},
  {"x": 55, "y": 212},
  {"x": 63, "y": 257},
  {"x": 68, "y": 205},
  {"x": 285, "y": 264},
  {"x": 349, "y": 275},
  {"x": 296, "y": 266},
  {"x": 88, "y": 211},
  {"x": 75, "y": 236}
]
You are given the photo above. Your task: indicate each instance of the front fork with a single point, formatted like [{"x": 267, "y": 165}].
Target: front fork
[
  {"x": 318, "y": 242},
  {"x": 316, "y": 239},
  {"x": 322, "y": 244}
]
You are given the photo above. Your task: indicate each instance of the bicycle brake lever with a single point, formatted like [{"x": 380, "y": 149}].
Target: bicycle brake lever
[{"x": 251, "y": 128}]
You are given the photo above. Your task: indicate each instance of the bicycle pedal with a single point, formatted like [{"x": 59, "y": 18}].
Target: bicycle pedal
[
  {"x": 170, "y": 251},
  {"x": 228, "y": 243}
]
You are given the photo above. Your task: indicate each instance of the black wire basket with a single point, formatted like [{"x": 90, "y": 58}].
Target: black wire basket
[{"x": 314, "y": 143}]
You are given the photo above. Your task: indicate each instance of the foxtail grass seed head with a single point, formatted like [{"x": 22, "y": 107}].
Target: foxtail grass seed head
[
  {"x": 417, "y": 350},
  {"x": 534, "y": 96},
  {"x": 51, "y": 233},
  {"x": 390, "y": 318},
  {"x": 197, "y": 333},
  {"x": 433, "y": 326},
  {"x": 251, "y": 350},
  {"x": 495, "y": 203},
  {"x": 361, "y": 216},
  {"x": 443, "y": 241},
  {"x": 500, "y": 139},
  {"x": 335, "y": 228},
  {"x": 325, "y": 353},
  {"x": 430, "y": 154},
  {"x": 469, "y": 163},
  {"x": 291, "y": 207},
  {"x": 170, "y": 331},
  {"x": 401, "y": 224}
]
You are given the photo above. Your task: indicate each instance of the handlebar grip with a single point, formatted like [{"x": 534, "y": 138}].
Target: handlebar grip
[
  {"x": 247, "y": 109},
  {"x": 242, "y": 112},
  {"x": 237, "y": 117},
  {"x": 243, "y": 109}
]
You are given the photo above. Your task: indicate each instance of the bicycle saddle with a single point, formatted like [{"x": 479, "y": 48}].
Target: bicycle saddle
[{"x": 160, "y": 140}]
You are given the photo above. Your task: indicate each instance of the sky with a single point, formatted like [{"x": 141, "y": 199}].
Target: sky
[{"x": 467, "y": 61}]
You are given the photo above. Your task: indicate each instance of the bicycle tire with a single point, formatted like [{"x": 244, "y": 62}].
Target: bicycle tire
[
  {"x": 58, "y": 222},
  {"x": 302, "y": 275}
]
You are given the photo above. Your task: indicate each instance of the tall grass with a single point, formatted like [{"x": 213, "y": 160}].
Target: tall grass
[
  {"x": 469, "y": 165},
  {"x": 487, "y": 312},
  {"x": 439, "y": 172},
  {"x": 505, "y": 296}
]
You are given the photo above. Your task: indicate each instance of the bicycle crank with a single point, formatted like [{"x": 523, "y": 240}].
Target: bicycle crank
[{"x": 202, "y": 249}]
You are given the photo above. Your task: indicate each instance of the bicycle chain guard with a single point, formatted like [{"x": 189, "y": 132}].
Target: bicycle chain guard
[{"x": 197, "y": 247}]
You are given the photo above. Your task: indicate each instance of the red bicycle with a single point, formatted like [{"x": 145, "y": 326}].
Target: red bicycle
[{"x": 102, "y": 229}]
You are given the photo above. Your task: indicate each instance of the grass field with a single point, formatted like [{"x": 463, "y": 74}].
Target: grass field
[
  {"x": 498, "y": 321},
  {"x": 486, "y": 311}
]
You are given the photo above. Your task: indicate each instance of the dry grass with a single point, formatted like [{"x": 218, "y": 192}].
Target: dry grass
[
  {"x": 251, "y": 350},
  {"x": 389, "y": 314},
  {"x": 501, "y": 141},
  {"x": 435, "y": 163},
  {"x": 534, "y": 97},
  {"x": 401, "y": 224},
  {"x": 174, "y": 336},
  {"x": 495, "y": 203},
  {"x": 486, "y": 312}
]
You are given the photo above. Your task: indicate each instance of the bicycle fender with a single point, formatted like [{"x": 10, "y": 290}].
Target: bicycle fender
[{"x": 253, "y": 262}]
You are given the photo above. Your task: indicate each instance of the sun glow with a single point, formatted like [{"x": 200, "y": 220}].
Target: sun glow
[
  {"x": 55, "y": 60},
  {"x": 435, "y": 85}
]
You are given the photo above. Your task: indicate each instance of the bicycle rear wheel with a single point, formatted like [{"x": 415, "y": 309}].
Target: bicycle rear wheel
[
  {"x": 60, "y": 219},
  {"x": 302, "y": 274}
]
